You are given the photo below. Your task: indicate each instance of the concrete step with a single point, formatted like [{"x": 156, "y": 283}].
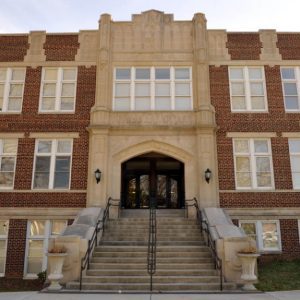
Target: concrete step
[
  {"x": 159, "y": 243},
  {"x": 159, "y": 266},
  {"x": 143, "y": 272},
  {"x": 145, "y": 279},
  {"x": 175, "y": 238},
  {"x": 156, "y": 287},
  {"x": 144, "y": 254},
  {"x": 135, "y": 260},
  {"x": 179, "y": 248}
]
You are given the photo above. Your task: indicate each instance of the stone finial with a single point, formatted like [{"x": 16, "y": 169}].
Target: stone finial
[
  {"x": 269, "y": 50},
  {"x": 36, "y": 51}
]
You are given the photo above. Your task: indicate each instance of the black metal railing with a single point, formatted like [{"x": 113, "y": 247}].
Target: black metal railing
[
  {"x": 209, "y": 240},
  {"x": 85, "y": 261},
  {"x": 151, "y": 257}
]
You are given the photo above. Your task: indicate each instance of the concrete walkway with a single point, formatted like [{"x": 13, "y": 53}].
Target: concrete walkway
[{"x": 291, "y": 295}]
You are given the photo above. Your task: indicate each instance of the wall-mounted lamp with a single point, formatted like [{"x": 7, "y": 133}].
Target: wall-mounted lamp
[
  {"x": 207, "y": 175},
  {"x": 98, "y": 175}
]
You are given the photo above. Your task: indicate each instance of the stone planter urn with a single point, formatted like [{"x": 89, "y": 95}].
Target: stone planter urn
[
  {"x": 248, "y": 276},
  {"x": 55, "y": 262}
]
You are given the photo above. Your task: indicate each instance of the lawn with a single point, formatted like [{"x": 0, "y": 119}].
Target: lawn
[{"x": 279, "y": 276}]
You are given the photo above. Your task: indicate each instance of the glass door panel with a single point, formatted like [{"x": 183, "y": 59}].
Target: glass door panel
[
  {"x": 131, "y": 193},
  {"x": 161, "y": 191},
  {"x": 174, "y": 193},
  {"x": 144, "y": 191}
]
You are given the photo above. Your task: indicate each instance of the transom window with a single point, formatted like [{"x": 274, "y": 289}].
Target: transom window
[
  {"x": 253, "y": 163},
  {"x": 290, "y": 77},
  {"x": 11, "y": 89},
  {"x": 155, "y": 88},
  {"x": 8, "y": 157},
  {"x": 294, "y": 146},
  {"x": 52, "y": 164},
  {"x": 265, "y": 233},
  {"x": 38, "y": 234},
  {"x": 58, "y": 89},
  {"x": 3, "y": 244},
  {"x": 247, "y": 89}
]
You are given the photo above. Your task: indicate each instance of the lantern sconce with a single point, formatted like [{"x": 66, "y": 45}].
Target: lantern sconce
[
  {"x": 98, "y": 175},
  {"x": 207, "y": 175}
]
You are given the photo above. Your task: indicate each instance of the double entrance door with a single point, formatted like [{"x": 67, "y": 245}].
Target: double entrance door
[{"x": 152, "y": 176}]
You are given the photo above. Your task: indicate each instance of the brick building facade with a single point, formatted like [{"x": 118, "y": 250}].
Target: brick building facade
[{"x": 151, "y": 91}]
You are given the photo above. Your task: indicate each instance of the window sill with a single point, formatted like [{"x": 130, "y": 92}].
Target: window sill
[
  {"x": 10, "y": 112},
  {"x": 249, "y": 111},
  {"x": 270, "y": 252},
  {"x": 30, "y": 277},
  {"x": 56, "y": 112}
]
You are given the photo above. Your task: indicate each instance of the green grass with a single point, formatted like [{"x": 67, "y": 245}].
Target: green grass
[{"x": 279, "y": 276}]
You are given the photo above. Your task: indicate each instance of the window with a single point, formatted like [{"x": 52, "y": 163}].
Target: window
[
  {"x": 3, "y": 245},
  {"x": 265, "y": 233},
  {"x": 38, "y": 234},
  {"x": 11, "y": 89},
  {"x": 52, "y": 164},
  {"x": 294, "y": 146},
  {"x": 253, "y": 163},
  {"x": 144, "y": 89},
  {"x": 58, "y": 90},
  {"x": 8, "y": 156},
  {"x": 290, "y": 77},
  {"x": 247, "y": 89}
]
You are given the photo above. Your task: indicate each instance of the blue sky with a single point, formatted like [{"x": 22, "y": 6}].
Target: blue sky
[{"x": 73, "y": 15}]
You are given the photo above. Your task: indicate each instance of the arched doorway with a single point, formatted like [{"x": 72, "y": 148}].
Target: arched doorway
[{"x": 152, "y": 175}]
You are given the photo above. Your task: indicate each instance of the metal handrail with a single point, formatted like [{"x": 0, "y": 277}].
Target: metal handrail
[
  {"x": 85, "y": 261},
  {"x": 209, "y": 240},
  {"x": 151, "y": 256}
]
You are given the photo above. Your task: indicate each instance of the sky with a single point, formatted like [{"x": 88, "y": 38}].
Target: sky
[{"x": 22, "y": 16}]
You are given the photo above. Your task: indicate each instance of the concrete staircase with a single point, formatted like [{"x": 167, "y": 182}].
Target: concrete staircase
[{"x": 119, "y": 263}]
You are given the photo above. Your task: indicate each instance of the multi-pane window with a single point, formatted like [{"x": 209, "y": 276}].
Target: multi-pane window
[
  {"x": 58, "y": 90},
  {"x": 38, "y": 234},
  {"x": 290, "y": 77},
  {"x": 11, "y": 89},
  {"x": 253, "y": 163},
  {"x": 8, "y": 156},
  {"x": 294, "y": 146},
  {"x": 3, "y": 245},
  {"x": 265, "y": 233},
  {"x": 155, "y": 88},
  {"x": 247, "y": 89},
  {"x": 52, "y": 164}
]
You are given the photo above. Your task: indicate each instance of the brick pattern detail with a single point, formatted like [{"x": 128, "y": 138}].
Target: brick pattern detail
[
  {"x": 31, "y": 121},
  {"x": 259, "y": 199},
  {"x": 274, "y": 121},
  {"x": 244, "y": 46},
  {"x": 13, "y": 48},
  {"x": 61, "y": 47},
  {"x": 16, "y": 248},
  {"x": 289, "y": 45},
  {"x": 290, "y": 238}
]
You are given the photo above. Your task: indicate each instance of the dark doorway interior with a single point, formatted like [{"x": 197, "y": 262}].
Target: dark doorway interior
[{"x": 152, "y": 175}]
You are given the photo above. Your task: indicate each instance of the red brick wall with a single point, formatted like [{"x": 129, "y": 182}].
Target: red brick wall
[
  {"x": 276, "y": 120},
  {"x": 13, "y": 48},
  {"x": 244, "y": 46},
  {"x": 16, "y": 248},
  {"x": 31, "y": 121},
  {"x": 61, "y": 47},
  {"x": 289, "y": 45},
  {"x": 290, "y": 238}
]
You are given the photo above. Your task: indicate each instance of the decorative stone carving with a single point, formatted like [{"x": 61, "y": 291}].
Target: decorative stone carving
[
  {"x": 269, "y": 51},
  {"x": 217, "y": 40},
  {"x": 36, "y": 52}
]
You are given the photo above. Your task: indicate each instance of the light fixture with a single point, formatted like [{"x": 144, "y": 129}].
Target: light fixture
[
  {"x": 98, "y": 175},
  {"x": 207, "y": 175}
]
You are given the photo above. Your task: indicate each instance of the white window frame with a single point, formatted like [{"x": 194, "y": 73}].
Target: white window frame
[
  {"x": 299, "y": 230},
  {"x": 15, "y": 155},
  {"x": 295, "y": 154},
  {"x": 297, "y": 81},
  {"x": 52, "y": 155},
  {"x": 45, "y": 238},
  {"x": 7, "y": 83},
  {"x": 259, "y": 234},
  {"x": 4, "y": 238},
  {"x": 172, "y": 81},
  {"x": 58, "y": 82},
  {"x": 252, "y": 155},
  {"x": 246, "y": 80}
]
